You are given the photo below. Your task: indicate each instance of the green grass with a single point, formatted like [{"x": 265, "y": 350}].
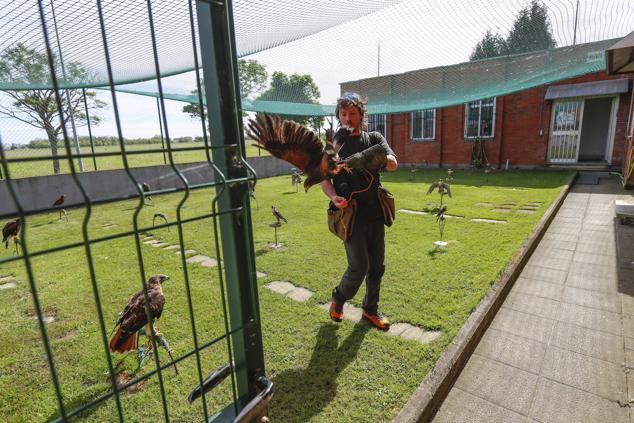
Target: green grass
[
  {"x": 323, "y": 372},
  {"x": 45, "y": 165}
]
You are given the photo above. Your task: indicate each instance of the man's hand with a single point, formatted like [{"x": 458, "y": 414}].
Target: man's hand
[
  {"x": 339, "y": 202},
  {"x": 392, "y": 164}
]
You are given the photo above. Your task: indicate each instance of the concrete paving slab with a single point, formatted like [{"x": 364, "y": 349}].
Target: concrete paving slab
[
  {"x": 523, "y": 324},
  {"x": 7, "y": 285},
  {"x": 591, "y": 318},
  {"x": 539, "y": 306},
  {"x": 172, "y": 247},
  {"x": 210, "y": 262},
  {"x": 462, "y": 407},
  {"x": 573, "y": 405},
  {"x": 537, "y": 288},
  {"x": 598, "y": 259},
  {"x": 552, "y": 253},
  {"x": 151, "y": 241},
  {"x": 412, "y": 212},
  {"x": 603, "y": 248},
  {"x": 396, "y": 329},
  {"x": 415, "y": 333},
  {"x": 300, "y": 294},
  {"x": 590, "y": 342},
  {"x": 501, "y": 210},
  {"x": 525, "y": 211},
  {"x": 259, "y": 274},
  {"x": 159, "y": 244},
  {"x": 483, "y": 220},
  {"x": 592, "y": 270},
  {"x": 588, "y": 281},
  {"x": 281, "y": 287},
  {"x": 187, "y": 252},
  {"x": 594, "y": 299},
  {"x": 561, "y": 245},
  {"x": 589, "y": 374},
  {"x": 549, "y": 262},
  {"x": 561, "y": 237},
  {"x": 197, "y": 258},
  {"x": 499, "y": 383},
  {"x": 513, "y": 350},
  {"x": 628, "y": 326},
  {"x": 627, "y": 305},
  {"x": 352, "y": 313},
  {"x": 596, "y": 236},
  {"x": 544, "y": 274}
]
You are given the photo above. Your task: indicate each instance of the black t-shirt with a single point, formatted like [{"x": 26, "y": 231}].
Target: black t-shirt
[{"x": 361, "y": 185}]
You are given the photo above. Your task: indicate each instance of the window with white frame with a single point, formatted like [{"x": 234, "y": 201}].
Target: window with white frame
[
  {"x": 423, "y": 124},
  {"x": 378, "y": 123},
  {"x": 480, "y": 118}
]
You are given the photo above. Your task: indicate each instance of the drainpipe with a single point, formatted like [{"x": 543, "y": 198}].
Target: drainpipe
[
  {"x": 440, "y": 136},
  {"x": 501, "y": 131}
]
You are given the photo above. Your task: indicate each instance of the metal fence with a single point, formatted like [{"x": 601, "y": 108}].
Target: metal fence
[{"x": 211, "y": 27}]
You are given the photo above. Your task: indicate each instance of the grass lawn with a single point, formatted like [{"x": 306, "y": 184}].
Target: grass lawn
[
  {"x": 323, "y": 372},
  {"x": 45, "y": 166}
]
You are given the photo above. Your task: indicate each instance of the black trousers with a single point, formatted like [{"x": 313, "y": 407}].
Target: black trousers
[{"x": 365, "y": 250}]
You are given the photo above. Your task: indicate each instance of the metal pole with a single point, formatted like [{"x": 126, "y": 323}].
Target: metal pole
[
  {"x": 158, "y": 107},
  {"x": 574, "y": 38},
  {"x": 1, "y": 177},
  {"x": 92, "y": 144},
  {"x": 220, "y": 75},
  {"x": 69, "y": 105}
]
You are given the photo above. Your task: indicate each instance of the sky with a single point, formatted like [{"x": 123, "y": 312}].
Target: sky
[{"x": 412, "y": 34}]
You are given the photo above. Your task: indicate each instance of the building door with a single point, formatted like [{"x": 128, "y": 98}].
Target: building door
[
  {"x": 565, "y": 131},
  {"x": 595, "y": 134}
]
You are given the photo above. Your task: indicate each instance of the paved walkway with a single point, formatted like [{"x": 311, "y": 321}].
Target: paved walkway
[{"x": 561, "y": 347}]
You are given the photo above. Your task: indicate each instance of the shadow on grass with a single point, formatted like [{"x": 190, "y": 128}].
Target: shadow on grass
[
  {"x": 303, "y": 393},
  {"x": 435, "y": 251},
  {"x": 86, "y": 397}
]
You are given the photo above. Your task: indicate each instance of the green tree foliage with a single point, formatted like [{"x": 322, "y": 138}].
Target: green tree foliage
[
  {"x": 252, "y": 75},
  {"x": 38, "y": 108},
  {"x": 294, "y": 88},
  {"x": 492, "y": 45},
  {"x": 531, "y": 31}
]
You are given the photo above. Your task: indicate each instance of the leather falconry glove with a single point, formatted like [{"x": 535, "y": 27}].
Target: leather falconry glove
[{"x": 373, "y": 158}]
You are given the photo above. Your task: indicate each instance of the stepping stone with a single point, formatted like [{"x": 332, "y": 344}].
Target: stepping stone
[
  {"x": 151, "y": 241},
  {"x": 501, "y": 210},
  {"x": 110, "y": 226},
  {"x": 350, "y": 312},
  {"x": 210, "y": 262},
  {"x": 488, "y": 220},
  {"x": 8, "y": 285},
  {"x": 300, "y": 294},
  {"x": 260, "y": 274},
  {"x": 159, "y": 245},
  {"x": 452, "y": 216},
  {"x": 417, "y": 334},
  {"x": 197, "y": 258},
  {"x": 398, "y": 328},
  {"x": 7, "y": 279},
  {"x": 172, "y": 247},
  {"x": 45, "y": 318},
  {"x": 187, "y": 252},
  {"x": 525, "y": 211},
  {"x": 484, "y": 204},
  {"x": 281, "y": 287},
  {"x": 412, "y": 211}
]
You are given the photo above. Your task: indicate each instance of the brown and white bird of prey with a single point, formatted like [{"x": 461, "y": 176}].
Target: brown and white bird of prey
[
  {"x": 298, "y": 145},
  {"x": 133, "y": 317},
  {"x": 11, "y": 231},
  {"x": 443, "y": 188},
  {"x": 278, "y": 215},
  {"x": 59, "y": 201}
]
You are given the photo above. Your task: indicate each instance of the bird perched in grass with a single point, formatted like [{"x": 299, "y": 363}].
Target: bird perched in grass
[
  {"x": 278, "y": 215},
  {"x": 58, "y": 203},
  {"x": 146, "y": 188},
  {"x": 440, "y": 214},
  {"x": 133, "y": 317},
  {"x": 160, "y": 216},
  {"x": 298, "y": 145},
  {"x": 11, "y": 231}
]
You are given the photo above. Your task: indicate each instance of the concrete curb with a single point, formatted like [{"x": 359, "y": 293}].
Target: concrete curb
[{"x": 430, "y": 394}]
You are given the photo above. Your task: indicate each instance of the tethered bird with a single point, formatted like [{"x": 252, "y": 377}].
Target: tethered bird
[
  {"x": 58, "y": 203},
  {"x": 443, "y": 188},
  {"x": 11, "y": 231},
  {"x": 146, "y": 188},
  {"x": 133, "y": 317},
  {"x": 278, "y": 215}
]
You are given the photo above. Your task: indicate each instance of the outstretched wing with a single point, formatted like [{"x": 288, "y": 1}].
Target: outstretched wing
[
  {"x": 447, "y": 188},
  {"x": 286, "y": 140},
  {"x": 432, "y": 187}
]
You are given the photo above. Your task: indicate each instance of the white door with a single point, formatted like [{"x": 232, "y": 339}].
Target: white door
[{"x": 564, "y": 131}]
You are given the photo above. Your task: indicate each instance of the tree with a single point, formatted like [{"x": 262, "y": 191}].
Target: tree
[
  {"x": 492, "y": 45},
  {"x": 294, "y": 88},
  {"x": 252, "y": 75},
  {"x": 38, "y": 108},
  {"x": 531, "y": 31}
]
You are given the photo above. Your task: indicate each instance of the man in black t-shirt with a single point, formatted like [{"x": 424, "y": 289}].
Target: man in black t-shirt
[{"x": 365, "y": 246}]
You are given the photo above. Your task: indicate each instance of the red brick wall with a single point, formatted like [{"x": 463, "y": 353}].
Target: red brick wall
[{"x": 519, "y": 118}]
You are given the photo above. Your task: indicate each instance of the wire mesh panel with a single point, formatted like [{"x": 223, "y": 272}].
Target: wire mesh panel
[{"x": 145, "y": 296}]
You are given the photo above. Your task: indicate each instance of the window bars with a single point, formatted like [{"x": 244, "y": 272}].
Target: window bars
[{"x": 230, "y": 212}]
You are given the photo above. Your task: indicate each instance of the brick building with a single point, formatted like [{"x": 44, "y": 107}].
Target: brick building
[{"x": 578, "y": 118}]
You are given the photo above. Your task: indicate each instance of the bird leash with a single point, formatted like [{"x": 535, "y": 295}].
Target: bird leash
[{"x": 343, "y": 223}]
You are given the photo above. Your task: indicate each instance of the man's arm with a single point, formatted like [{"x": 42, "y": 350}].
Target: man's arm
[
  {"x": 392, "y": 164},
  {"x": 329, "y": 190}
]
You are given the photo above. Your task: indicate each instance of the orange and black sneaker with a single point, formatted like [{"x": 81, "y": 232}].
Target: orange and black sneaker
[
  {"x": 336, "y": 311},
  {"x": 378, "y": 321}
]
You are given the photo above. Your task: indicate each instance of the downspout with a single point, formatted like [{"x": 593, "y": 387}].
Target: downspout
[
  {"x": 440, "y": 137},
  {"x": 501, "y": 131}
]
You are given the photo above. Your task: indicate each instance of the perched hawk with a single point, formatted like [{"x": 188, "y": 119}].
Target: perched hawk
[
  {"x": 278, "y": 215},
  {"x": 443, "y": 188},
  {"x": 146, "y": 187},
  {"x": 298, "y": 145},
  {"x": 10, "y": 230},
  {"x": 59, "y": 201},
  {"x": 133, "y": 317}
]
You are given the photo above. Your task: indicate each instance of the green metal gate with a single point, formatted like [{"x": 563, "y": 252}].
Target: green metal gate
[{"x": 212, "y": 33}]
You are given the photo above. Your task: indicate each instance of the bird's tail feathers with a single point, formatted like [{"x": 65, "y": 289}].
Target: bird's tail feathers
[{"x": 122, "y": 342}]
